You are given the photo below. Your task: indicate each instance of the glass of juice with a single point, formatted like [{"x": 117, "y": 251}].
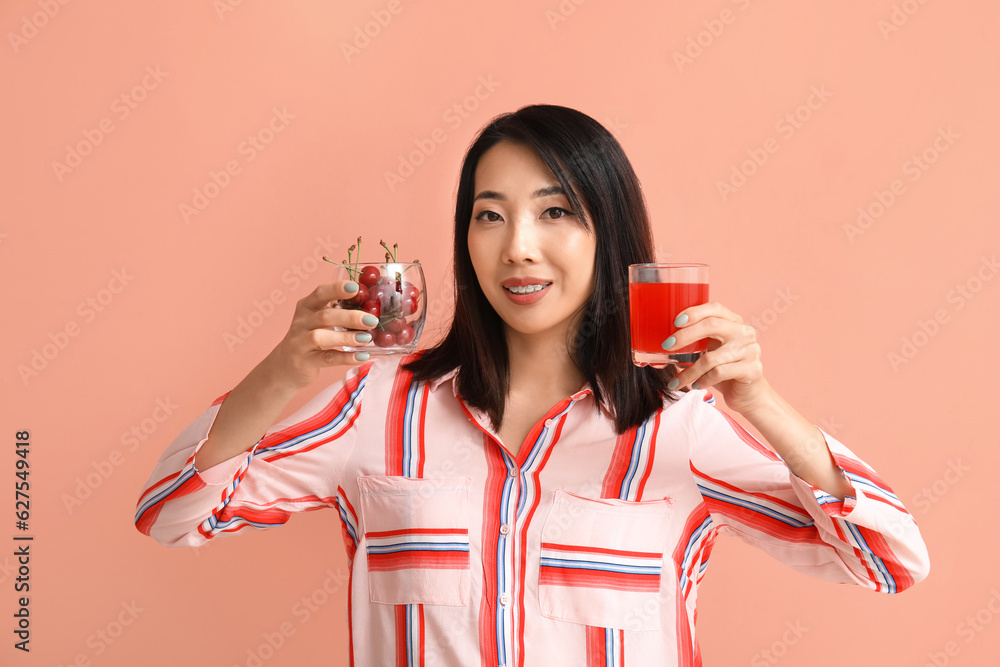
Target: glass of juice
[{"x": 657, "y": 294}]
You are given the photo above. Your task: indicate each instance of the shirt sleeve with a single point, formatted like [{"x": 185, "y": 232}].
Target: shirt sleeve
[
  {"x": 869, "y": 538},
  {"x": 296, "y": 466}
]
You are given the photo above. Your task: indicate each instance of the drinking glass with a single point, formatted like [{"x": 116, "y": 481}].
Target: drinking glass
[
  {"x": 394, "y": 292},
  {"x": 657, "y": 294}
]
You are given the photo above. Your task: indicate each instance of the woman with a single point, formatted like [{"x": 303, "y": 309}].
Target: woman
[{"x": 522, "y": 494}]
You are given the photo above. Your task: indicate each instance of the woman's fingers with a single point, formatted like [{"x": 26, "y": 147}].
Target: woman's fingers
[{"x": 320, "y": 297}]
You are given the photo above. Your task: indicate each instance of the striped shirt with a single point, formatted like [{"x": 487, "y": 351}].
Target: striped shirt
[{"x": 586, "y": 548}]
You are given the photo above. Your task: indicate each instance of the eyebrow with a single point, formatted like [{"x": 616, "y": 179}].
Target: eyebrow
[{"x": 544, "y": 192}]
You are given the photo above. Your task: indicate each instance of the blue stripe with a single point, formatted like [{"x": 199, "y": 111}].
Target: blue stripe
[
  {"x": 407, "y": 426},
  {"x": 868, "y": 482},
  {"x": 163, "y": 494},
  {"x": 418, "y": 546},
  {"x": 606, "y": 567},
  {"x": 609, "y": 646},
  {"x": 879, "y": 563},
  {"x": 689, "y": 549},
  {"x": 237, "y": 519},
  {"x": 410, "y": 660},
  {"x": 767, "y": 511},
  {"x": 501, "y": 565},
  {"x": 344, "y": 517},
  {"x": 333, "y": 424},
  {"x": 624, "y": 492}
]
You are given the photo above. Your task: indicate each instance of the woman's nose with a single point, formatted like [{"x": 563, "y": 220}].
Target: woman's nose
[{"x": 521, "y": 244}]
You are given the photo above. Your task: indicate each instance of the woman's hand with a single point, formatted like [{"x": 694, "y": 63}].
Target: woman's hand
[
  {"x": 312, "y": 343},
  {"x": 732, "y": 362}
]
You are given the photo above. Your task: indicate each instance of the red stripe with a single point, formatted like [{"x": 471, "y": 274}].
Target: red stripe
[
  {"x": 685, "y": 640},
  {"x": 220, "y": 399},
  {"x": 600, "y": 550},
  {"x": 881, "y": 500},
  {"x": 496, "y": 476},
  {"x": 420, "y": 458},
  {"x": 621, "y": 646},
  {"x": 190, "y": 485},
  {"x": 877, "y": 544},
  {"x": 420, "y": 632},
  {"x": 595, "y": 647},
  {"x": 421, "y": 560},
  {"x": 418, "y": 531},
  {"x": 320, "y": 419},
  {"x": 857, "y": 468},
  {"x": 857, "y": 552},
  {"x": 619, "y": 581},
  {"x": 395, "y": 422},
  {"x": 151, "y": 490},
  {"x": 738, "y": 492},
  {"x": 649, "y": 459},
  {"x": 618, "y": 468},
  {"x": 400, "y": 635},
  {"x": 764, "y": 523},
  {"x": 559, "y": 407},
  {"x": 749, "y": 439}
]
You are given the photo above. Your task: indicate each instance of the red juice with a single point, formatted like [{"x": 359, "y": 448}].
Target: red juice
[{"x": 653, "y": 307}]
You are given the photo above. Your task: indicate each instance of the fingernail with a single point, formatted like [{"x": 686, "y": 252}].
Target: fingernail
[
  {"x": 369, "y": 320},
  {"x": 694, "y": 386},
  {"x": 681, "y": 320},
  {"x": 363, "y": 337},
  {"x": 673, "y": 384},
  {"x": 351, "y": 288},
  {"x": 669, "y": 343},
  {"x": 361, "y": 356}
]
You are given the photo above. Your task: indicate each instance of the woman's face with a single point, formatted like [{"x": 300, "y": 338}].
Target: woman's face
[{"x": 532, "y": 254}]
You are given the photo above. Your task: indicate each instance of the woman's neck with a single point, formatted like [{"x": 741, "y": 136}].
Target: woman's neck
[{"x": 541, "y": 365}]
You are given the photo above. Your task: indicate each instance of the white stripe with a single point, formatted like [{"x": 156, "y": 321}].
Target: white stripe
[
  {"x": 802, "y": 517},
  {"x": 629, "y": 561},
  {"x": 412, "y": 537}
]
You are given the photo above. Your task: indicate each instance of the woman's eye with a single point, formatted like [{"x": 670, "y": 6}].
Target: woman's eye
[
  {"x": 556, "y": 212},
  {"x": 488, "y": 216}
]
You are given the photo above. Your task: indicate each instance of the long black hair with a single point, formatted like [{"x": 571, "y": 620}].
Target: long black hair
[{"x": 597, "y": 177}]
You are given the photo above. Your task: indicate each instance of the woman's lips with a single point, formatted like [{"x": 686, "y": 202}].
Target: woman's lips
[{"x": 530, "y": 297}]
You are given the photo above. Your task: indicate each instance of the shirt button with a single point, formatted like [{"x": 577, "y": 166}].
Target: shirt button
[
  {"x": 505, "y": 599},
  {"x": 549, "y": 423},
  {"x": 504, "y": 529},
  {"x": 513, "y": 472}
]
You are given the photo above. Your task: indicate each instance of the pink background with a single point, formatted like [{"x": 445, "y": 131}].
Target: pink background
[{"x": 832, "y": 300}]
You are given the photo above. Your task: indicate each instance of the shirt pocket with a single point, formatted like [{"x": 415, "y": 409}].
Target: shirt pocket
[
  {"x": 602, "y": 563},
  {"x": 416, "y": 539}
]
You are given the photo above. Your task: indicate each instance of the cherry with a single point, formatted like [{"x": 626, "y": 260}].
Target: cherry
[
  {"x": 405, "y": 334},
  {"x": 395, "y": 326},
  {"x": 373, "y": 307},
  {"x": 359, "y": 298},
  {"x": 369, "y": 276},
  {"x": 409, "y": 307},
  {"x": 410, "y": 291},
  {"x": 380, "y": 293},
  {"x": 384, "y": 339}
]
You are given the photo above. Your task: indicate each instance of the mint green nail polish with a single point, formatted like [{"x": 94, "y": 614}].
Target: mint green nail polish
[
  {"x": 351, "y": 288},
  {"x": 369, "y": 320},
  {"x": 669, "y": 343},
  {"x": 363, "y": 337},
  {"x": 361, "y": 356},
  {"x": 681, "y": 320},
  {"x": 694, "y": 386},
  {"x": 673, "y": 384}
]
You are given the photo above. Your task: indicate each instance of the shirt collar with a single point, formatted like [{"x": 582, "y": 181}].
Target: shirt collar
[{"x": 584, "y": 391}]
